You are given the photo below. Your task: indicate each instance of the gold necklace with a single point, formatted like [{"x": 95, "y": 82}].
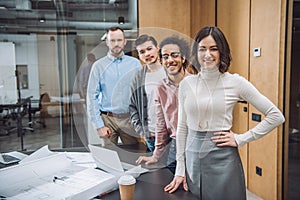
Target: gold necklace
[{"x": 204, "y": 124}]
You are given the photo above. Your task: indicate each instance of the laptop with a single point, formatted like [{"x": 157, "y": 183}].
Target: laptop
[
  {"x": 8, "y": 159},
  {"x": 109, "y": 161}
]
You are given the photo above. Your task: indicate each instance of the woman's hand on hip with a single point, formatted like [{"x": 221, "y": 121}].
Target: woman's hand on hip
[{"x": 224, "y": 138}]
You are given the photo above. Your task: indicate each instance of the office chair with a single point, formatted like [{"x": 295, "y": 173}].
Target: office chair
[
  {"x": 4, "y": 120},
  {"x": 16, "y": 113},
  {"x": 35, "y": 107}
]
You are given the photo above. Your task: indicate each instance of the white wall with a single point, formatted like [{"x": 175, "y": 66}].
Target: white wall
[
  {"x": 48, "y": 64},
  {"x": 8, "y": 86},
  {"x": 25, "y": 54}
]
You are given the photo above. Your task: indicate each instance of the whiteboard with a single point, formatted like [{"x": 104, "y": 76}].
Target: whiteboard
[{"x": 8, "y": 85}]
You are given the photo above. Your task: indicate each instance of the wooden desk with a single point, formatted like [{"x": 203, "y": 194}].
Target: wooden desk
[{"x": 148, "y": 186}]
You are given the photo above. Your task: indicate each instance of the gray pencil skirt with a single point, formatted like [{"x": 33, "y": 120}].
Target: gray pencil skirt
[{"x": 213, "y": 172}]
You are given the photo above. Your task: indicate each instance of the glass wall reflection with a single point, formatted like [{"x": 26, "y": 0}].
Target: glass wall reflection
[{"x": 58, "y": 54}]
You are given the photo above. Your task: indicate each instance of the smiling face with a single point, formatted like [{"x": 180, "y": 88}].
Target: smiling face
[
  {"x": 208, "y": 53},
  {"x": 116, "y": 42},
  {"x": 148, "y": 52},
  {"x": 172, "y": 59}
]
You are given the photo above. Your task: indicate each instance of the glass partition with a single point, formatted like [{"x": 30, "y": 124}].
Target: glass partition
[{"x": 55, "y": 42}]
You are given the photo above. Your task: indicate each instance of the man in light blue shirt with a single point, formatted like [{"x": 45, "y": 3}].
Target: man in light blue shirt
[{"x": 108, "y": 93}]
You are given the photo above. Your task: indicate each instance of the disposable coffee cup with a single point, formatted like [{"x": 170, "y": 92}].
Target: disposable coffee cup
[{"x": 126, "y": 187}]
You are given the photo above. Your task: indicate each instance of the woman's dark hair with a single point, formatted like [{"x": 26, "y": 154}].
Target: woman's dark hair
[
  {"x": 144, "y": 38},
  {"x": 222, "y": 44}
]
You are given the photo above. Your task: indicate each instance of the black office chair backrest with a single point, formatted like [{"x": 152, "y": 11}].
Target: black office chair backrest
[{"x": 35, "y": 105}]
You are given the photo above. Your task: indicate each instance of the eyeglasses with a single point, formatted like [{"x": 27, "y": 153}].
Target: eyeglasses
[{"x": 173, "y": 55}]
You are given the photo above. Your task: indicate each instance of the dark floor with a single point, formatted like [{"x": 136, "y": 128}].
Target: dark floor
[{"x": 50, "y": 135}]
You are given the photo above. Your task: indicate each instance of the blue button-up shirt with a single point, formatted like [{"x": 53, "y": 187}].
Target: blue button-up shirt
[{"x": 109, "y": 86}]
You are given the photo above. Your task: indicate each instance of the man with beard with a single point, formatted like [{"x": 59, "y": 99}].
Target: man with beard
[
  {"x": 174, "y": 57},
  {"x": 144, "y": 83},
  {"x": 108, "y": 91}
]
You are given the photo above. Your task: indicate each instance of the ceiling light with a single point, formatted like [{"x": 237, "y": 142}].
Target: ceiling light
[
  {"x": 121, "y": 20},
  {"x": 103, "y": 37}
]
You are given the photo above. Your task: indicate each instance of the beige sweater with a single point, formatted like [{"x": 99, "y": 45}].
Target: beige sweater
[{"x": 206, "y": 103}]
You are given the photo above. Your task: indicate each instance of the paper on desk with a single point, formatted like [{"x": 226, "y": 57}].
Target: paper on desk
[
  {"x": 40, "y": 153},
  {"x": 34, "y": 180},
  {"x": 79, "y": 158},
  {"x": 82, "y": 158},
  {"x": 136, "y": 171}
]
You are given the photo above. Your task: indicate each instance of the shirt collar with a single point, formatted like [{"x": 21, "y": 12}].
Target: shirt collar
[
  {"x": 170, "y": 82},
  {"x": 114, "y": 59}
]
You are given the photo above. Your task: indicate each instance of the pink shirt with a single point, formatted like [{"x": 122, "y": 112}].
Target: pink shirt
[{"x": 166, "y": 106}]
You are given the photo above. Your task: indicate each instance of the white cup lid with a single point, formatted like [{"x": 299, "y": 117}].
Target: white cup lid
[{"x": 126, "y": 180}]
